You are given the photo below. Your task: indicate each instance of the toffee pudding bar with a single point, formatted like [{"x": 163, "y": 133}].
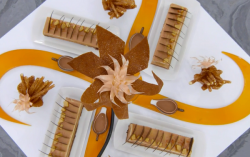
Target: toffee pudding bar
[
  {"x": 139, "y": 135},
  {"x": 172, "y": 27}
]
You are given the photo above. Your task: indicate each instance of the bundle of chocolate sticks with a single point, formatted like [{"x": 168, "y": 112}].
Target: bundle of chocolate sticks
[{"x": 117, "y": 7}]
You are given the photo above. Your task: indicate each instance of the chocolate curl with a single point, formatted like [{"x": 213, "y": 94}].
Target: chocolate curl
[
  {"x": 104, "y": 100},
  {"x": 148, "y": 88},
  {"x": 90, "y": 95}
]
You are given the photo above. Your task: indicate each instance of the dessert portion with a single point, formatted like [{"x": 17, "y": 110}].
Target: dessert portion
[
  {"x": 77, "y": 33},
  {"x": 165, "y": 49},
  {"x": 117, "y": 7},
  {"x": 159, "y": 140},
  {"x": 66, "y": 128},
  {"x": 210, "y": 78},
  {"x": 31, "y": 91}
]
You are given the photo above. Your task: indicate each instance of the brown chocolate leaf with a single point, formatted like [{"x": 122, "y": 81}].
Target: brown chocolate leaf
[
  {"x": 105, "y": 97},
  {"x": 148, "y": 88},
  {"x": 90, "y": 95},
  {"x": 104, "y": 100},
  {"x": 109, "y": 44},
  {"x": 93, "y": 106},
  {"x": 121, "y": 112},
  {"x": 138, "y": 57},
  {"x": 128, "y": 97},
  {"x": 88, "y": 64}
]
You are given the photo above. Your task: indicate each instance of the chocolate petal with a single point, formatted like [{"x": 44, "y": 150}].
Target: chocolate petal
[
  {"x": 121, "y": 111},
  {"x": 88, "y": 64},
  {"x": 148, "y": 88},
  {"x": 90, "y": 95},
  {"x": 128, "y": 97},
  {"x": 138, "y": 57},
  {"x": 104, "y": 101},
  {"x": 105, "y": 97},
  {"x": 109, "y": 44},
  {"x": 93, "y": 106}
]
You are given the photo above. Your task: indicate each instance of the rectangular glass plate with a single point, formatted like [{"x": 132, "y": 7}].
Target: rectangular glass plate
[
  {"x": 198, "y": 149},
  {"x": 83, "y": 125},
  {"x": 193, "y": 7},
  {"x": 38, "y": 37}
]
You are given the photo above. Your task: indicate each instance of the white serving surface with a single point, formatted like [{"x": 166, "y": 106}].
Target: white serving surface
[{"x": 209, "y": 39}]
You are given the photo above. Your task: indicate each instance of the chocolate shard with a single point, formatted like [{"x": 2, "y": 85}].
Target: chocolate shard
[
  {"x": 148, "y": 88},
  {"x": 138, "y": 57},
  {"x": 109, "y": 44},
  {"x": 88, "y": 64}
]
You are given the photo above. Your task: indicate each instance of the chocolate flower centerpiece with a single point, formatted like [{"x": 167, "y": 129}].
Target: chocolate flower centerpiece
[{"x": 113, "y": 73}]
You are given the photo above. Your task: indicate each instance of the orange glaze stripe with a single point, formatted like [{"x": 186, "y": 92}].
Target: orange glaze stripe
[
  {"x": 144, "y": 19},
  {"x": 94, "y": 147}
]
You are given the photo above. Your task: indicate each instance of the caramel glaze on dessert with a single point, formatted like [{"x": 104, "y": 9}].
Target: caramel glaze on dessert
[
  {"x": 66, "y": 130},
  {"x": 169, "y": 35},
  {"x": 159, "y": 140},
  {"x": 70, "y": 32}
]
